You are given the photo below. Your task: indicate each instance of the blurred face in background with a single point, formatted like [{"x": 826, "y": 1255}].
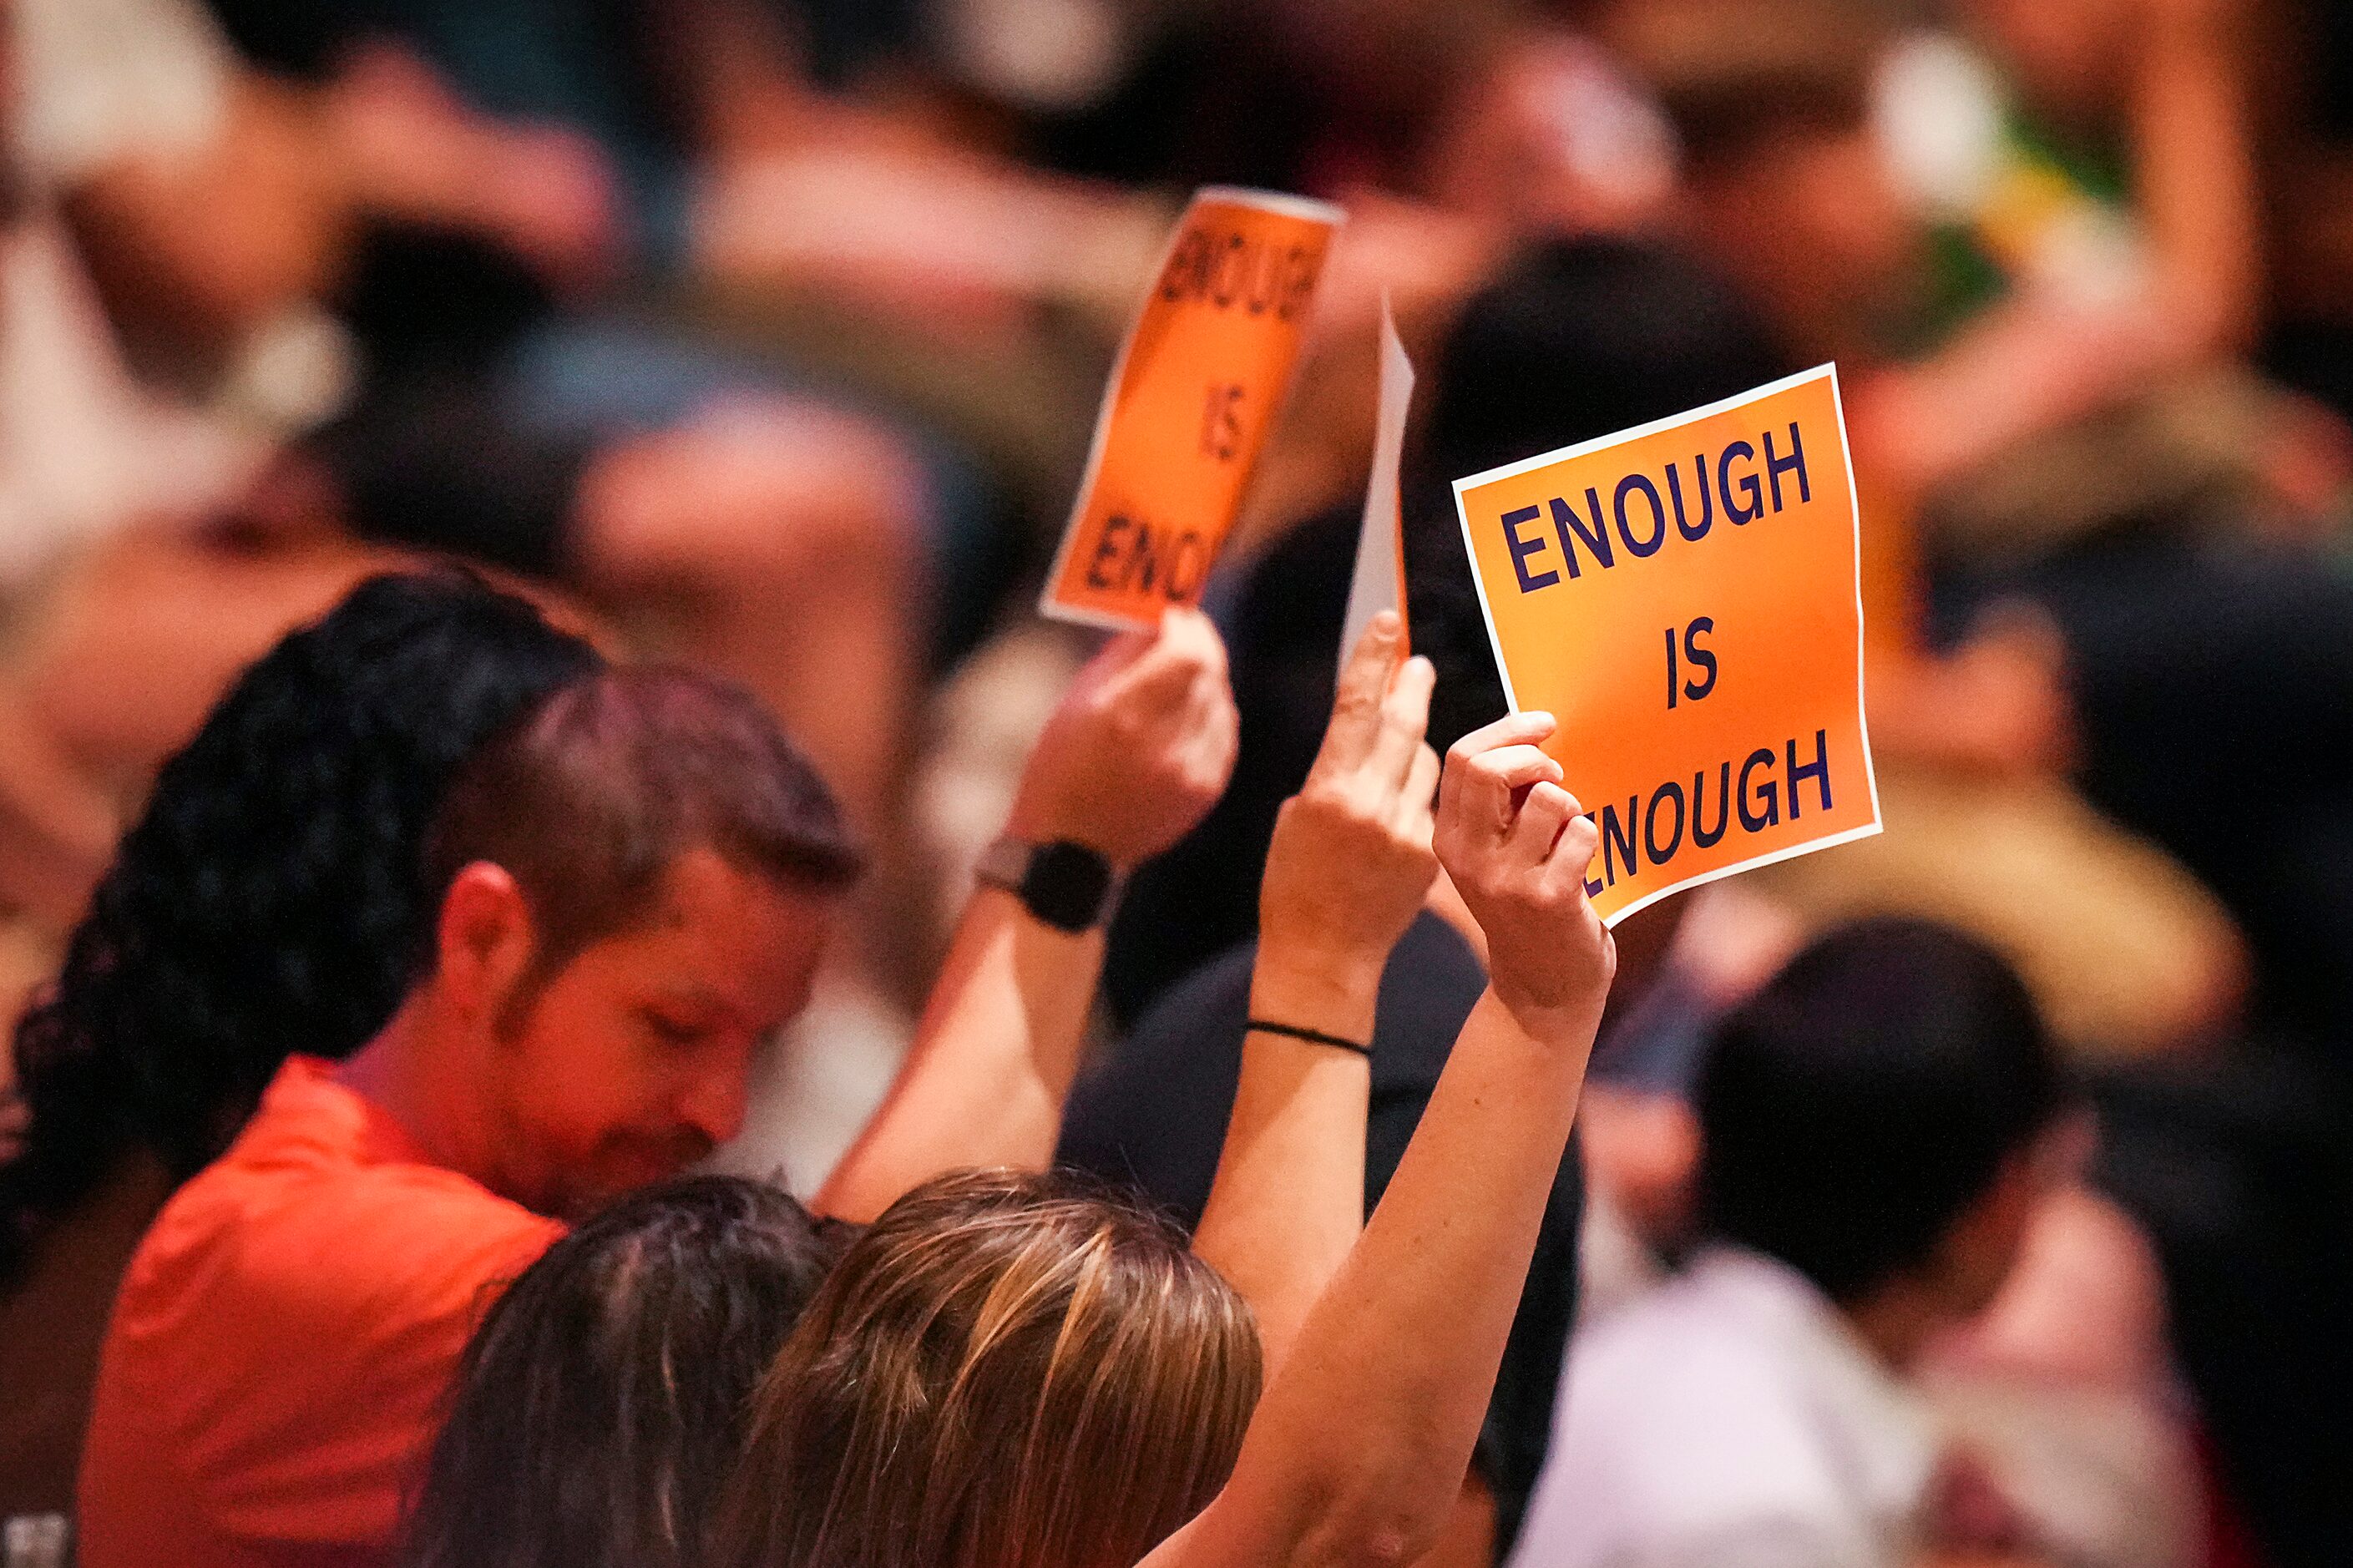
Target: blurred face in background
[{"x": 1810, "y": 225}]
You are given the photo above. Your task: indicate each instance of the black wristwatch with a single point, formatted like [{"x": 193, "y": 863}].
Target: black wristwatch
[{"x": 1066, "y": 885}]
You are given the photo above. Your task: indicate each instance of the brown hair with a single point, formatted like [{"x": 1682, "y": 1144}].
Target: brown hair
[
  {"x": 591, "y": 796},
  {"x": 1737, "y": 78},
  {"x": 600, "y": 1406},
  {"x": 1007, "y": 1371}
]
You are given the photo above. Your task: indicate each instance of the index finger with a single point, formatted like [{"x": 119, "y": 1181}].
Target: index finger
[
  {"x": 1485, "y": 789},
  {"x": 1363, "y": 687},
  {"x": 1405, "y": 719},
  {"x": 1529, "y": 729}
]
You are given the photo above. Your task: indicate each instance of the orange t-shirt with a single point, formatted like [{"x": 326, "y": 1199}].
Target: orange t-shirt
[{"x": 281, "y": 1351}]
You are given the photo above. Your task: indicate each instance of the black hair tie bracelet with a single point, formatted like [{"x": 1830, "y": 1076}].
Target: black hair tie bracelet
[{"x": 1313, "y": 1036}]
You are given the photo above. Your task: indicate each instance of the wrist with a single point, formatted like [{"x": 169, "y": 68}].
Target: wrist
[
  {"x": 1336, "y": 994},
  {"x": 1038, "y": 826},
  {"x": 1562, "y": 1021},
  {"x": 1063, "y": 883}
]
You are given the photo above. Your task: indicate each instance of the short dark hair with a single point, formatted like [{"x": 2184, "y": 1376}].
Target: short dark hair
[
  {"x": 1858, "y": 1106},
  {"x": 268, "y": 899},
  {"x": 1739, "y": 77},
  {"x": 591, "y": 796},
  {"x": 601, "y": 1403}
]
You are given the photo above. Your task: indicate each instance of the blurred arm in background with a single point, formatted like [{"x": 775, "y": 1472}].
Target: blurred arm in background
[
  {"x": 2079, "y": 329},
  {"x": 1140, "y": 748}
]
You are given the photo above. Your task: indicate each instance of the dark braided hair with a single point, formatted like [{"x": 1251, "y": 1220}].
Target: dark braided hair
[{"x": 271, "y": 897}]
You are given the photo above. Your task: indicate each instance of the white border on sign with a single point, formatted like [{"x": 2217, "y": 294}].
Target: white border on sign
[
  {"x": 1866, "y": 830},
  {"x": 1855, "y": 521},
  {"x": 1280, "y": 202}
]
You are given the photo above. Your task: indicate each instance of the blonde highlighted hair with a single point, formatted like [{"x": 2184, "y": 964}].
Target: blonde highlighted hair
[{"x": 1007, "y": 1371}]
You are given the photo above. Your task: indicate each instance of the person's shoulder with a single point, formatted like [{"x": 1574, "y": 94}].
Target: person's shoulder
[
  {"x": 338, "y": 1227},
  {"x": 276, "y": 1242},
  {"x": 1696, "y": 1418},
  {"x": 1150, "y": 1113},
  {"x": 1670, "y": 1355}
]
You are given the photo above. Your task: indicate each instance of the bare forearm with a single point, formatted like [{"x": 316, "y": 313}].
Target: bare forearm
[
  {"x": 2022, "y": 368},
  {"x": 1137, "y": 750},
  {"x": 985, "y": 1080},
  {"x": 1360, "y": 1446},
  {"x": 1289, "y": 1199},
  {"x": 2195, "y": 174},
  {"x": 2034, "y": 363},
  {"x": 1349, "y": 863}
]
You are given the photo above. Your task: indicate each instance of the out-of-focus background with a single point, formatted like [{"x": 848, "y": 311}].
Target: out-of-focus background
[{"x": 769, "y": 333}]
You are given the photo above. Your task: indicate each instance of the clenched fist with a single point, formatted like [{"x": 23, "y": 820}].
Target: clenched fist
[
  {"x": 1518, "y": 848},
  {"x": 1139, "y": 749}
]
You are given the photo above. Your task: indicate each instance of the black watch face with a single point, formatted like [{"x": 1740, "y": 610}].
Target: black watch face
[{"x": 1066, "y": 885}]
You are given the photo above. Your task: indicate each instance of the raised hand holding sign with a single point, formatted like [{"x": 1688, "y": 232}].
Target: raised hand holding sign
[
  {"x": 1684, "y": 599},
  {"x": 1138, "y": 749},
  {"x": 1516, "y": 844}
]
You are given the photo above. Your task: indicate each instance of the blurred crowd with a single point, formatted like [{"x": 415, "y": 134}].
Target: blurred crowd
[{"x": 766, "y": 336}]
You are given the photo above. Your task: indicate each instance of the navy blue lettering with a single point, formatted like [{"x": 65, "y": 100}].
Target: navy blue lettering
[
  {"x": 1224, "y": 284},
  {"x": 1187, "y": 267},
  {"x": 1659, "y": 857},
  {"x": 1564, "y": 521},
  {"x": 1748, "y": 486},
  {"x": 1658, "y": 535},
  {"x": 1107, "y": 549},
  {"x": 1706, "y": 500},
  {"x": 1618, "y": 837},
  {"x": 1698, "y": 657},
  {"x": 1770, "y": 792},
  {"x": 1776, "y": 466},
  {"x": 1522, "y": 549},
  {"x": 1701, "y": 837},
  {"x": 1302, "y": 265},
  {"x": 1819, "y": 770}
]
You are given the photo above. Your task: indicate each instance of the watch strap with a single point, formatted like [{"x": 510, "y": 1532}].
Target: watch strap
[{"x": 1062, "y": 884}]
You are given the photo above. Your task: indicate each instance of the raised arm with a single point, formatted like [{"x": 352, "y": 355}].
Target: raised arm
[
  {"x": 1350, "y": 863},
  {"x": 2032, "y": 363},
  {"x": 1359, "y": 1447},
  {"x": 1141, "y": 746}
]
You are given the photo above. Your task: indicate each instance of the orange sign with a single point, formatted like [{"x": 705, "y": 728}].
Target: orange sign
[
  {"x": 1684, "y": 597},
  {"x": 1198, "y": 386}
]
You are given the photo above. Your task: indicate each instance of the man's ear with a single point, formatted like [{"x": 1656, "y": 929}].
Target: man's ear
[{"x": 484, "y": 941}]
